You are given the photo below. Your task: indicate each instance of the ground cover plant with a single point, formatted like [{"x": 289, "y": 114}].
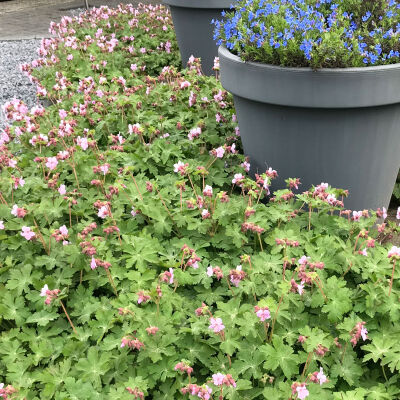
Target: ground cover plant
[
  {"x": 139, "y": 260},
  {"x": 313, "y": 33}
]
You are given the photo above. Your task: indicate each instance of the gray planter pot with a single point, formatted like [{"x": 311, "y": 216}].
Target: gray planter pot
[
  {"x": 340, "y": 126},
  {"x": 194, "y": 31}
]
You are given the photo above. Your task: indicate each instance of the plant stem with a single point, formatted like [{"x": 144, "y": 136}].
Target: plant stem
[
  {"x": 137, "y": 187},
  {"x": 275, "y": 317},
  {"x": 41, "y": 237},
  {"x": 111, "y": 281},
  {"x": 391, "y": 281},
  {"x": 69, "y": 319}
]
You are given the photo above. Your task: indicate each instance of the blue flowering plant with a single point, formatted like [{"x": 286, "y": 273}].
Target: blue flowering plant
[{"x": 313, "y": 33}]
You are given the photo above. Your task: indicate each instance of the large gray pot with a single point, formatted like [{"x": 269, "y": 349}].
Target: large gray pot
[
  {"x": 340, "y": 126},
  {"x": 194, "y": 31}
]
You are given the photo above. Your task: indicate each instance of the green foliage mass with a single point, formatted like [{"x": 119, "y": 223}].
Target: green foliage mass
[{"x": 126, "y": 200}]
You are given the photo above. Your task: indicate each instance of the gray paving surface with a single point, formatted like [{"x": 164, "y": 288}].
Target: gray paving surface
[{"x": 30, "y": 19}]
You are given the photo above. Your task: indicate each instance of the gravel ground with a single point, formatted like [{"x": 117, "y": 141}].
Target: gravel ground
[{"x": 13, "y": 83}]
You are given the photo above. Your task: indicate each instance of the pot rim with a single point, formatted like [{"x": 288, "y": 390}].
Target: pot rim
[
  {"x": 216, "y": 4},
  {"x": 304, "y": 87}
]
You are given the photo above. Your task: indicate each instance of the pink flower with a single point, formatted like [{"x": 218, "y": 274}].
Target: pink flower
[
  {"x": 62, "y": 190},
  {"x": 133, "y": 212},
  {"x": 185, "y": 84},
  {"x": 384, "y": 213},
  {"x": 218, "y": 379},
  {"x": 180, "y": 168},
  {"x": 300, "y": 288},
  {"x": 208, "y": 191},
  {"x": 63, "y": 230},
  {"x": 262, "y": 313},
  {"x": 357, "y": 215},
  {"x": 104, "y": 168},
  {"x": 364, "y": 333},
  {"x": 51, "y": 163},
  {"x": 398, "y": 213},
  {"x": 394, "y": 252},
  {"x": 220, "y": 152},
  {"x": 70, "y": 57},
  {"x": 194, "y": 133},
  {"x": 93, "y": 264},
  {"x": 302, "y": 392},
  {"x": 27, "y": 233},
  {"x": 134, "y": 67},
  {"x": 1, "y": 225},
  {"x": 62, "y": 113},
  {"x": 321, "y": 377},
  {"x": 103, "y": 212},
  {"x": 216, "y": 325},
  {"x": 238, "y": 178},
  {"x": 363, "y": 252},
  {"x": 143, "y": 298},
  {"x": 14, "y": 210},
  {"x": 44, "y": 291},
  {"x": 210, "y": 271},
  {"x": 82, "y": 142},
  {"x": 152, "y": 330},
  {"x": 303, "y": 260},
  {"x": 205, "y": 214},
  {"x": 245, "y": 165}
]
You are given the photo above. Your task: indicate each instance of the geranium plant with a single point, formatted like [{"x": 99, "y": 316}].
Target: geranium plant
[
  {"x": 315, "y": 33},
  {"x": 139, "y": 260}
]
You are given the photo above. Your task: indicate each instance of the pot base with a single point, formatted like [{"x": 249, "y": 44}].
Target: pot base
[{"x": 354, "y": 149}]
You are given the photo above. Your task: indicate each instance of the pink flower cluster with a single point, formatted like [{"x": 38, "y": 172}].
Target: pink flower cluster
[
  {"x": 221, "y": 379},
  {"x": 181, "y": 168},
  {"x": 143, "y": 297},
  {"x": 61, "y": 234},
  {"x": 237, "y": 275},
  {"x": 287, "y": 242},
  {"x": 217, "y": 271},
  {"x": 319, "y": 377},
  {"x": 250, "y": 226},
  {"x": 136, "y": 392},
  {"x": 394, "y": 253},
  {"x": 96, "y": 262},
  {"x": 262, "y": 312},
  {"x": 7, "y": 391},
  {"x": 300, "y": 389},
  {"x": 18, "y": 212},
  {"x": 192, "y": 257},
  {"x": 131, "y": 342},
  {"x": 183, "y": 366},
  {"x": 359, "y": 331},
  {"x": 202, "y": 392},
  {"x": 49, "y": 294},
  {"x": 152, "y": 330},
  {"x": 168, "y": 276}
]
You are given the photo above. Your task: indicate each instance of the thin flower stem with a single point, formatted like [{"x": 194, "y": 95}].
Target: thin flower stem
[
  {"x": 111, "y": 282},
  {"x": 391, "y": 281},
  {"x": 41, "y": 237},
  {"x": 69, "y": 319},
  {"x": 165, "y": 206},
  {"x": 137, "y": 187},
  {"x": 191, "y": 183},
  {"x": 70, "y": 217},
  {"x": 306, "y": 365},
  {"x": 259, "y": 238},
  {"x": 3, "y": 200},
  {"x": 275, "y": 317},
  {"x": 344, "y": 352},
  {"x": 230, "y": 287}
]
